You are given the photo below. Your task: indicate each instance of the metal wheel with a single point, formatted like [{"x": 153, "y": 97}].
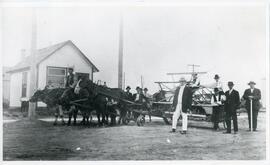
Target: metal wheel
[
  {"x": 167, "y": 121},
  {"x": 224, "y": 124},
  {"x": 140, "y": 120}
]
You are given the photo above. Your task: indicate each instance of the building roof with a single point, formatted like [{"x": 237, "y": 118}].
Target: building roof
[{"x": 43, "y": 54}]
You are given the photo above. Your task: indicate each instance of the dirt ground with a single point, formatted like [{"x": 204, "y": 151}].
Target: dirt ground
[{"x": 40, "y": 140}]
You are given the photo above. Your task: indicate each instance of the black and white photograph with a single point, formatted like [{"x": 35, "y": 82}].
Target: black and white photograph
[{"x": 136, "y": 80}]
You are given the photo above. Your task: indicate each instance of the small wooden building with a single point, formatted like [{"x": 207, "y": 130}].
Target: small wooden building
[{"x": 52, "y": 66}]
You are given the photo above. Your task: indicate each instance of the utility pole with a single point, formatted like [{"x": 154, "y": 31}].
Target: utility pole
[
  {"x": 141, "y": 81},
  {"x": 120, "y": 56},
  {"x": 33, "y": 67},
  {"x": 193, "y": 67}
]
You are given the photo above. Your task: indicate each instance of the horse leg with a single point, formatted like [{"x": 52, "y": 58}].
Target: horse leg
[
  {"x": 69, "y": 117},
  {"x": 61, "y": 114},
  {"x": 56, "y": 117},
  {"x": 98, "y": 116},
  {"x": 83, "y": 119},
  {"x": 75, "y": 116}
]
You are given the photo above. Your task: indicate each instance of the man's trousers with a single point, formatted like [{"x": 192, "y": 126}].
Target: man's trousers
[{"x": 176, "y": 115}]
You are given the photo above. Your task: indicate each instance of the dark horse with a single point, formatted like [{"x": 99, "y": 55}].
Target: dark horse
[
  {"x": 75, "y": 102},
  {"x": 50, "y": 97}
]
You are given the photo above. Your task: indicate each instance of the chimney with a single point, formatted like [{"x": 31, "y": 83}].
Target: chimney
[{"x": 23, "y": 54}]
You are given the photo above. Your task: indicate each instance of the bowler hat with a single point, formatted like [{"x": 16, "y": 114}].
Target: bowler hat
[
  {"x": 216, "y": 76},
  {"x": 230, "y": 83},
  {"x": 182, "y": 79},
  {"x": 251, "y": 82},
  {"x": 137, "y": 87},
  {"x": 128, "y": 87},
  {"x": 145, "y": 89}
]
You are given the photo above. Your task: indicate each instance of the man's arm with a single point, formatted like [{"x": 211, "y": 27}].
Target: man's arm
[
  {"x": 189, "y": 98},
  {"x": 237, "y": 99},
  {"x": 245, "y": 96},
  {"x": 257, "y": 95}
]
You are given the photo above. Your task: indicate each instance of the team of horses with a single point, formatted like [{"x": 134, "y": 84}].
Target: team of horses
[{"x": 88, "y": 102}]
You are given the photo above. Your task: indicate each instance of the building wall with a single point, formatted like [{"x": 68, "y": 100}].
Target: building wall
[
  {"x": 67, "y": 56},
  {"x": 6, "y": 92},
  {"x": 16, "y": 88}
]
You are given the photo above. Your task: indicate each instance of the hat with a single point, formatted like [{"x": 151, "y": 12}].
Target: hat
[
  {"x": 182, "y": 79},
  {"x": 128, "y": 87},
  {"x": 145, "y": 89},
  {"x": 251, "y": 82},
  {"x": 230, "y": 83},
  {"x": 194, "y": 74},
  {"x": 216, "y": 76},
  {"x": 137, "y": 87}
]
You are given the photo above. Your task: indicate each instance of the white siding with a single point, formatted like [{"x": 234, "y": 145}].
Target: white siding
[
  {"x": 16, "y": 88},
  {"x": 67, "y": 56}
]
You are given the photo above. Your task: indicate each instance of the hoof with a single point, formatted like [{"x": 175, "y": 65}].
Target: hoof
[{"x": 54, "y": 123}]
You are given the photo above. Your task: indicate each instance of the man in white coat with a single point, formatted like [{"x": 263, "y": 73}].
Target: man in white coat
[{"x": 182, "y": 102}]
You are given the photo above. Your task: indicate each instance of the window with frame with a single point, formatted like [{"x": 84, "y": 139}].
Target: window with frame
[
  {"x": 24, "y": 84},
  {"x": 56, "y": 76}
]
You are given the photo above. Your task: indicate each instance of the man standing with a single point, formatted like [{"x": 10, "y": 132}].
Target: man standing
[
  {"x": 181, "y": 103},
  {"x": 253, "y": 94},
  {"x": 217, "y": 99},
  {"x": 124, "y": 111},
  {"x": 231, "y": 105}
]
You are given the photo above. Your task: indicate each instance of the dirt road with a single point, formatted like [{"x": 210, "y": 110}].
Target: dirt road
[{"x": 40, "y": 140}]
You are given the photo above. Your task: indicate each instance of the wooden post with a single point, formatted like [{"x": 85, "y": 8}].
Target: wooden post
[
  {"x": 251, "y": 116},
  {"x": 120, "y": 56},
  {"x": 33, "y": 67}
]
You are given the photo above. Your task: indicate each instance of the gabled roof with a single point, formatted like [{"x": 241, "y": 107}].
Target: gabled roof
[{"x": 44, "y": 53}]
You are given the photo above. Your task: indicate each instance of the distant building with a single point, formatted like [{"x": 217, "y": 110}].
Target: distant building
[
  {"x": 6, "y": 86},
  {"x": 52, "y": 65}
]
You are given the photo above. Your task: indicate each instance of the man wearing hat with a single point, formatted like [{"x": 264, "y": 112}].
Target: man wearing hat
[
  {"x": 217, "y": 99},
  {"x": 181, "y": 103},
  {"x": 137, "y": 97},
  {"x": 128, "y": 93},
  {"x": 253, "y": 94},
  {"x": 217, "y": 84},
  {"x": 124, "y": 111},
  {"x": 70, "y": 79},
  {"x": 231, "y": 105}
]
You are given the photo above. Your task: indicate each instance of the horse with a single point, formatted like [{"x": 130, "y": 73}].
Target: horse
[{"x": 50, "y": 98}]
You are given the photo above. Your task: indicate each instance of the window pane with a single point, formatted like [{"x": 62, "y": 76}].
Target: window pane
[
  {"x": 57, "y": 71},
  {"x": 56, "y": 81}
]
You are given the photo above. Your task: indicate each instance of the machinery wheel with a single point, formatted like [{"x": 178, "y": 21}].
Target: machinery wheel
[
  {"x": 224, "y": 124},
  {"x": 140, "y": 120},
  {"x": 125, "y": 121},
  {"x": 167, "y": 121}
]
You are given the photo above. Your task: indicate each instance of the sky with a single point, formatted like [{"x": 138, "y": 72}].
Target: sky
[{"x": 225, "y": 40}]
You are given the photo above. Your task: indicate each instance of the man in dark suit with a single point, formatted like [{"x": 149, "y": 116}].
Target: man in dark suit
[
  {"x": 181, "y": 103},
  {"x": 137, "y": 97},
  {"x": 231, "y": 105},
  {"x": 128, "y": 94},
  {"x": 253, "y": 94}
]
